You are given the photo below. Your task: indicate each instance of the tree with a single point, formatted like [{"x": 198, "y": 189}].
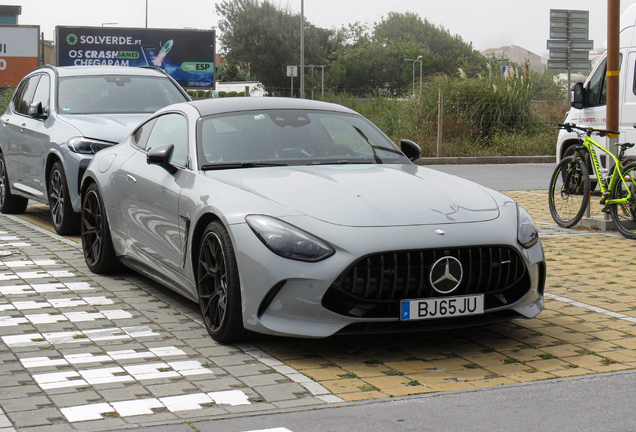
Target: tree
[
  {"x": 265, "y": 38},
  {"x": 230, "y": 72}
]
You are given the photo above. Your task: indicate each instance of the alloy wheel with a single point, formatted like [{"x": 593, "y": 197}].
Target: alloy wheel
[
  {"x": 92, "y": 235},
  {"x": 3, "y": 186},
  {"x": 213, "y": 282},
  {"x": 57, "y": 198}
]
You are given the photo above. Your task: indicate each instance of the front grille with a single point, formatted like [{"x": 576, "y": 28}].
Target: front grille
[{"x": 386, "y": 278}]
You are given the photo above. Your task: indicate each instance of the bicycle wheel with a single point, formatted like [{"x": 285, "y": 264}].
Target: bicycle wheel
[
  {"x": 624, "y": 215},
  {"x": 569, "y": 192}
]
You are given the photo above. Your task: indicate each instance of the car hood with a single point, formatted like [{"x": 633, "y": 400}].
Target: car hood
[
  {"x": 106, "y": 127},
  {"x": 367, "y": 195}
]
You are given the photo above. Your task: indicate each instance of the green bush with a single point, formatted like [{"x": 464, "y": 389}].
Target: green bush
[
  {"x": 232, "y": 94},
  {"x": 222, "y": 94}
]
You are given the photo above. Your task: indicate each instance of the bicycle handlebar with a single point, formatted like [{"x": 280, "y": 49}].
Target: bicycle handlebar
[{"x": 587, "y": 130}]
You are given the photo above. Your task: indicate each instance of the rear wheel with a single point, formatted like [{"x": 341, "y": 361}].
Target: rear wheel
[
  {"x": 65, "y": 220},
  {"x": 624, "y": 215},
  {"x": 9, "y": 203},
  {"x": 97, "y": 244},
  {"x": 569, "y": 192},
  {"x": 218, "y": 286}
]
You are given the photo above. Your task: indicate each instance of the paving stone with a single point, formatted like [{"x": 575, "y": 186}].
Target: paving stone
[{"x": 40, "y": 417}]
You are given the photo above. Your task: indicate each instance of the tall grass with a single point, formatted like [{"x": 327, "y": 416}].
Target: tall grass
[
  {"x": 480, "y": 119},
  {"x": 5, "y": 98}
]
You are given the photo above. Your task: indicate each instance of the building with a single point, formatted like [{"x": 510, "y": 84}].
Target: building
[
  {"x": 9, "y": 15},
  {"x": 518, "y": 55}
]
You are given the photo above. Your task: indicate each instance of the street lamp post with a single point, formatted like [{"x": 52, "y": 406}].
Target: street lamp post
[
  {"x": 418, "y": 59},
  {"x": 302, "y": 49},
  {"x": 146, "y": 13}
]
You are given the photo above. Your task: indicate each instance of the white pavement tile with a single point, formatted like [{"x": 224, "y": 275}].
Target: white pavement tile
[
  {"x": 136, "y": 407},
  {"x": 186, "y": 402},
  {"x": 87, "y": 358},
  {"x": 151, "y": 371},
  {"x": 26, "y": 263},
  {"x": 86, "y": 412},
  {"x": 230, "y": 397},
  {"x": 105, "y": 376}
]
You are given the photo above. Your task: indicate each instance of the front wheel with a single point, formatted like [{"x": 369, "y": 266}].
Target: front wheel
[
  {"x": 97, "y": 243},
  {"x": 569, "y": 192},
  {"x": 218, "y": 286},
  {"x": 9, "y": 203},
  {"x": 624, "y": 215},
  {"x": 65, "y": 220}
]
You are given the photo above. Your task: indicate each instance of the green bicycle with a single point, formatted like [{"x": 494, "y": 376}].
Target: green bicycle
[{"x": 569, "y": 192}]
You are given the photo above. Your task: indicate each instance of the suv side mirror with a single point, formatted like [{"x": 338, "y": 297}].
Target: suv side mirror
[
  {"x": 410, "y": 149},
  {"x": 578, "y": 96},
  {"x": 37, "y": 111}
]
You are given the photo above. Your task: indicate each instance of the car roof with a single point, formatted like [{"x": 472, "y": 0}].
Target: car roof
[
  {"x": 230, "y": 104},
  {"x": 68, "y": 71}
]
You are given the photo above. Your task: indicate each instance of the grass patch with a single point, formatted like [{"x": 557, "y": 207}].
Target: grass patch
[
  {"x": 546, "y": 356},
  {"x": 585, "y": 352},
  {"x": 349, "y": 375}
]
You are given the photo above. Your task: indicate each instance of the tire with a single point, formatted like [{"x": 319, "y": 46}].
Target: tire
[
  {"x": 624, "y": 215},
  {"x": 9, "y": 203},
  {"x": 569, "y": 152},
  {"x": 569, "y": 192},
  {"x": 218, "y": 286},
  {"x": 65, "y": 220},
  {"x": 97, "y": 243}
]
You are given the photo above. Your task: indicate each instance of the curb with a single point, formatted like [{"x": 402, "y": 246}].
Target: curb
[{"x": 485, "y": 160}]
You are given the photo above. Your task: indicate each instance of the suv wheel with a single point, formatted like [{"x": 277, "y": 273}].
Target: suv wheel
[
  {"x": 65, "y": 220},
  {"x": 9, "y": 203}
]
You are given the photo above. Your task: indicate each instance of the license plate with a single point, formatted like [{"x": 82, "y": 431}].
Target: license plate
[{"x": 444, "y": 307}]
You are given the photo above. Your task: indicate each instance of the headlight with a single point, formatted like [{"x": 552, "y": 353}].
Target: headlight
[
  {"x": 288, "y": 241},
  {"x": 86, "y": 145},
  {"x": 527, "y": 234}
]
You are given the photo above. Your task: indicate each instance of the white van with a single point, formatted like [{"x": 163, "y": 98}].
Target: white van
[{"x": 589, "y": 99}]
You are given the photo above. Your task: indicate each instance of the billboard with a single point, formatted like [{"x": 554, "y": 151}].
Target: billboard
[
  {"x": 19, "y": 53},
  {"x": 186, "y": 55}
]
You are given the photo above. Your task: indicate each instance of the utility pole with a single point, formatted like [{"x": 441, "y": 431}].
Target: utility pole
[{"x": 302, "y": 49}]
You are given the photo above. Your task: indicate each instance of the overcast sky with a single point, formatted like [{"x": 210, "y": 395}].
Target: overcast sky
[{"x": 487, "y": 24}]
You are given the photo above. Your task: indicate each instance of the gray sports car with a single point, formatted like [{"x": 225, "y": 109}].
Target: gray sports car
[{"x": 301, "y": 218}]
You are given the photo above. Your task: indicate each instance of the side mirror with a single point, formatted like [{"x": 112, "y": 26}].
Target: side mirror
[
  {"x": 161, "y": 155},
  {"x": 37, "y": 111},
  {"x": 578, "y": 96},
  {"x": 410, "y": 149}
]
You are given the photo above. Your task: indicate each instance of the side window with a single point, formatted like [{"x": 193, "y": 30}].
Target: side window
[
  {"x": 23, "y": 100},
  {"x": 171, "y": 129},
  {"x": 42, "y": 92},
  {"x": 140, "y": 136},
  {"x": 596, "y": 93}
]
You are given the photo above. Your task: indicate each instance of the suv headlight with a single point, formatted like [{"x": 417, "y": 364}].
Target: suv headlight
[
  {"x": 288, "y": 241},
  {"x": 86, "y": 145},
  {"x": 527, "y": 234}
]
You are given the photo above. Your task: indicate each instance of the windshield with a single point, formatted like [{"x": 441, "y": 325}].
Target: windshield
[
  {"x": 116, "y": 94},
  {"x": 291, "y": 137}
]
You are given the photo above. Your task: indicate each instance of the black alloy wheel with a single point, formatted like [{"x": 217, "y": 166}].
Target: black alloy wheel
[
  {"x": 218, "y": 285},
  {"x": 65, "y": 220},
  {"x": 97, "y": 244},
  {"x": 9, "y": 203}
]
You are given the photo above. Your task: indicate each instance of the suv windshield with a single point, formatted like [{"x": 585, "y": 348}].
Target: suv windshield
[
  {"x": 116, "y": 94},
  {"x": 295, "y": 137}
]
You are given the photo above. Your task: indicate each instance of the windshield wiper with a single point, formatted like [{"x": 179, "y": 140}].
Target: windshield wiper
[{"x": 233, "y": 165}]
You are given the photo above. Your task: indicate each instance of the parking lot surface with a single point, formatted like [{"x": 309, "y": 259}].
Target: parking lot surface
[{"x": 85, "y": 352}]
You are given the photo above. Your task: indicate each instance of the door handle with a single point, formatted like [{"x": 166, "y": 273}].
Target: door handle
[
  {"x": 22, "y": 127},
  {"x": 131, "y": 178}
]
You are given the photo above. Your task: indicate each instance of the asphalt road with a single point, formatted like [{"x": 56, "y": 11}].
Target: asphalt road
[{"x": 503, "y": 177}]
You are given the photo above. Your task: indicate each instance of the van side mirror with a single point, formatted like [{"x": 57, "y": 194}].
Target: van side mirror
[
  {"x": 578, "y": 96},
  {"x": 410, "y": 149}
]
